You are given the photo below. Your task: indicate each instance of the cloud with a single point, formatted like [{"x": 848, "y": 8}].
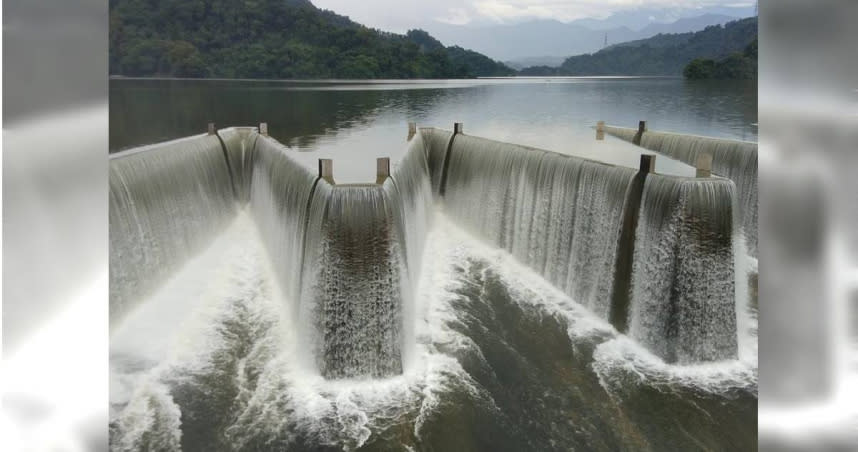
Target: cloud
[
  {"x": 570, "y": 10},
  {"x": 400, "y": 15},
  {"x": 455, "y": 16}
]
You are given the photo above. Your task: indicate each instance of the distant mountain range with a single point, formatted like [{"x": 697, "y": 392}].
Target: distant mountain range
[
  {"x": 641, "y": 17},
  {"x": 663, "y": 54},
  {"x": 545, "y": 41},
  {"x": 273, "y": 39}
]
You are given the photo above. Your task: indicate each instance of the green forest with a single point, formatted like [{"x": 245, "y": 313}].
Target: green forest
[
  {"x": 663, "y": 54},
  {"x": 735, "y": 67},
  {"x": 283, "y": 39}
]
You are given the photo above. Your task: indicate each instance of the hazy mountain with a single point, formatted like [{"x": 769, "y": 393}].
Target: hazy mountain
[
  {"x": 522, "y": 63},
  {"x": 519, "y": 43},
  {"x": 664, "y": 54},
  {"x": 639, "y": 19},
  {"x": 687, "y": 24}
]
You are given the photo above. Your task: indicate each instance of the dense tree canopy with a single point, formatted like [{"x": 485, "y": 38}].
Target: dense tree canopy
[
  {"x": 663, "y": 54},
  {"x": 273, "y": 39},
  {"x": 736, "y": 66}
]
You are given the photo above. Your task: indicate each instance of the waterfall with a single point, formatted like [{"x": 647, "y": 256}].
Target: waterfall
[
  {"x": 282, "y": 193},
  {"x": 735, "y": 160},
  {"x": 167, "y": 202},
  {"x": 557, "y": 214},
  {"x": 355, "y": 302},
  {"x": 409, "y": 191},
  {"x": 347, "y": 257},
  {"x": 683, "y": 284},
  {"x": 239, "y": 143},
  {"x": 435, "y": 142},
  {"x": 563, "y": 216}
]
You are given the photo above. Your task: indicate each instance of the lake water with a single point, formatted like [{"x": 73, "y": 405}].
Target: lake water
[
  {"x": 502, "y": 360},
  {"x": 355, "y": 122}
]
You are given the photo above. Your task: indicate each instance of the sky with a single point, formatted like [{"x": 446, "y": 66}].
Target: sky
[{"x": 401, "y": 15}]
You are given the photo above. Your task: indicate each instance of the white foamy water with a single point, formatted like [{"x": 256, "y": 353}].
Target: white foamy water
[
  {"x": 221, "y": 326},
  {"x": 618, "y": 354},
  {"x": 184, "y": 329}
]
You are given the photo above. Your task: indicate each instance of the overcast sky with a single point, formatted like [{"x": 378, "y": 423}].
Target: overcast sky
[{"x": 401, "y": 15}]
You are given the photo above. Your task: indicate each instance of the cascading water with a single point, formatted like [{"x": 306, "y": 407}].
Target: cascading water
[
  {"x": 344, "y": 255},
  {"x": 435, "y": 144},
  {"x": 239, "y": 143},
  {"x": 563, "y": 216},
  {"x": 409, "y": 192},
  {"x": 282, "y": 193},
  {"x": 167, "y": 202},
  {"x": 346, "y": 260},
  {"x": 733, "y": 159},
  {"x": 683, "y": 286},
  {"x": 560, "y": 216},
  {"x": 356, "y": 297}
]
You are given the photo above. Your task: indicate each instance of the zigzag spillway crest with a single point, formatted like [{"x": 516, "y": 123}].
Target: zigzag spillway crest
[
  {"x": 733, "y": 159},
  {"x": 347, "y": 257}
]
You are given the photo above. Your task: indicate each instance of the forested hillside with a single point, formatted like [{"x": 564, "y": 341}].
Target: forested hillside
[
  {"x": 273, "y": 39},
  {"x": 664, "y": 54},
  {"x": 737, "y": 66}
]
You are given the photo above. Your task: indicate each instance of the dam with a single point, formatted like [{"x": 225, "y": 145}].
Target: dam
[
  {"x": 651, "y": 249},
  {"x": 733, "y": 159}
]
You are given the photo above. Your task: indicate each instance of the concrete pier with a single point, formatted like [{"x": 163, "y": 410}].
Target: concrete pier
[
  {"x": 457, "y": 130},
  {"x": 647, "y": 163},
  {"x": 600, "y": 130},
  {"x": 263, "y": 128},
  {"x": 412, "y": 130},
  {"x": 211, "y": 128},
  {"x": 382, "y": 170},
  {"x": 704, "y": 165},
  {"x": 641, "y": 129},
  {"x": 326, "y": 170},
  {"x": 621, "y": 294}
]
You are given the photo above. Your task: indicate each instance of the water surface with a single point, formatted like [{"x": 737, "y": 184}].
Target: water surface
[{"x": 355, "y": 122}]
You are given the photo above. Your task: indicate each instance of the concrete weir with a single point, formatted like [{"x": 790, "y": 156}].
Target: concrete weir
[
  {"x": 649, "y": 252},
  {"x": 733, "y": 159}
]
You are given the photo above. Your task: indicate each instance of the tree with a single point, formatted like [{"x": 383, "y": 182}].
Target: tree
[
  {"x": 273, "y": 39},
  {"x": 699, "y": 68}
]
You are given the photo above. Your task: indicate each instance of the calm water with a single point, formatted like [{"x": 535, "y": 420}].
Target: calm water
[
  {"x": 354, "y": 122},
  {"x": 502, "y": 360}
]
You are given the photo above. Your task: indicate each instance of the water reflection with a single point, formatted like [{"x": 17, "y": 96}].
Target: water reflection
[
  {"x": 147, "y": 111},
  {"x": 551, "y": 112}
]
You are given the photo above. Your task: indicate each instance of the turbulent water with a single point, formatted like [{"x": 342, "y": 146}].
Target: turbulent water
[
  {"x": 344, "y": 255},
  {"x": 167, "y": 202},
  {"x": 683, "y": 290},
  {"x": 284, "y": 199},
  {"x": 733, "y": 159},
  {"x": 502, "y": 361},
  {"x": 558, "y": 215},
  {"x": 563, "y": 216},
  {"x": 366, "y": 316},
  {"x": 356, "y": 297}
]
